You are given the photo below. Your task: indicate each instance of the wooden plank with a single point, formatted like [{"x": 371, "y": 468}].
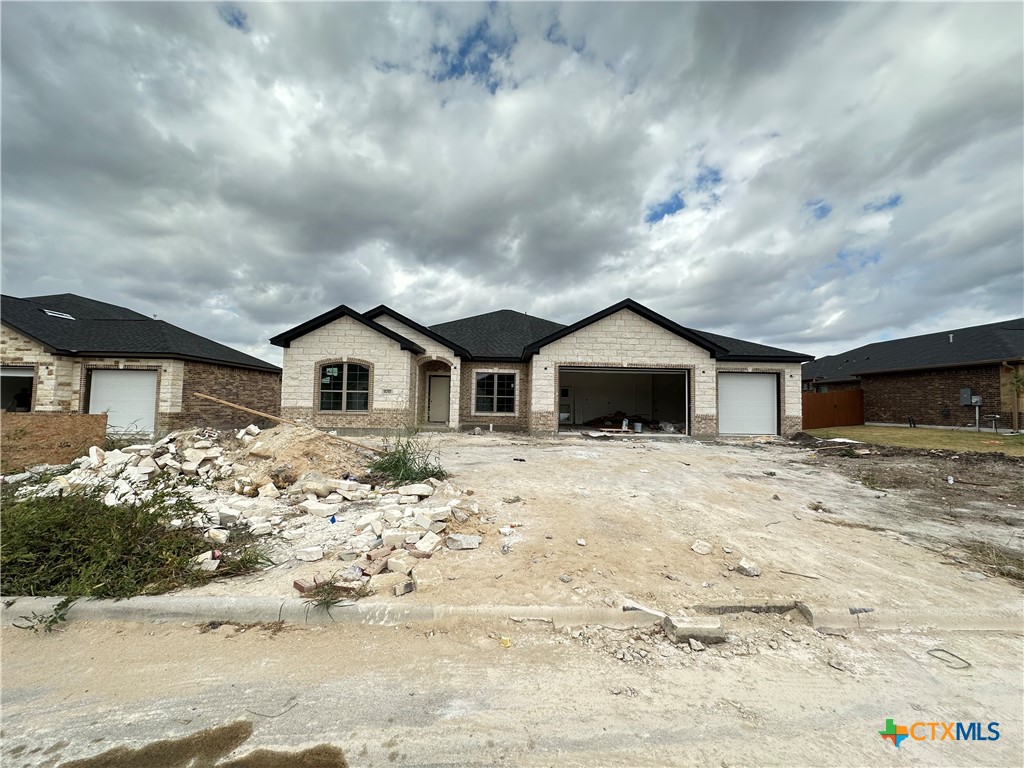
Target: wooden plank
[{"x": 283, "y": 421}]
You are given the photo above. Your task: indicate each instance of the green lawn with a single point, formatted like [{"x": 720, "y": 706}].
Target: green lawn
[{"x": 946, "y": 439}]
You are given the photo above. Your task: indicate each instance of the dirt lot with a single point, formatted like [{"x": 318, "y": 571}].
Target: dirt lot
[{"x": 886, "y": 529}]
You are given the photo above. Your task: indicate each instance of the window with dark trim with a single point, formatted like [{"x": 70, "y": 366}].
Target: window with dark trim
[
  {"x": 344, "y": 387},
  {"x": 495, "y": 393}
]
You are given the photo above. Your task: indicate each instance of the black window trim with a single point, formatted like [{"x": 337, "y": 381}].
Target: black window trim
[{"x": 345, "y": 391}]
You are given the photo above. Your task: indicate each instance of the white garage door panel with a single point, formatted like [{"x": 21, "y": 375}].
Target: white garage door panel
[
  {"x": 128, "y": 397},
  {"x": 748, "y": 404}
]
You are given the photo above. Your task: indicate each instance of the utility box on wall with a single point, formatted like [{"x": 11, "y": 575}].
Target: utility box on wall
[{"x": 965, "y": 396}]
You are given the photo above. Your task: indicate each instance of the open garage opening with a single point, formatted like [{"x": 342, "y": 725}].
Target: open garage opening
[{"x": 604, "y": 398}]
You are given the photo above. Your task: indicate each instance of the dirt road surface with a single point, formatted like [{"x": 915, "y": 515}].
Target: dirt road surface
[{"x": 450, "y": 694}]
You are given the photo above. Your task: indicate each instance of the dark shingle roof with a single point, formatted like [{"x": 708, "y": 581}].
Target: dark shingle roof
[
  {"x": 503, "y": 334},
  {"x": 507, "y": 335},
  {"x": 105, "y": 330},
  {"x": 738, "y": 349},
  {"x": 993, "y": 342}
]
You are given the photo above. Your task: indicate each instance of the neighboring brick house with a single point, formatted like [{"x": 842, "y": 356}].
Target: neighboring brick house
[
  {"x": 510, "y": 371},
  {"x": 66, "y": 353},
  {"x": 921, "y": 379}
]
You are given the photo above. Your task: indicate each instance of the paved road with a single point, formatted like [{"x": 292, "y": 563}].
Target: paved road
[{"x": 413, "y": 695}]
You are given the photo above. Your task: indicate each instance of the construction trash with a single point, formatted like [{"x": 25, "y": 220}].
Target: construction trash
[{"x": 265, "y": 484}]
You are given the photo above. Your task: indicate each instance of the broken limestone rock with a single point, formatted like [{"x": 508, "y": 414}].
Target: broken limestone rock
[
  {"x": 463, "y": 541},
  {"x": 697, "y": 645},
  {"x": 318, "y": 508},
  {"x": 268, "y": 491},
  {"x": 429, "y": 542},
  {"x": 416, "y": 489},
  {"x": 701, "y": 547},
  {"x": 310, "y": 554},
  {"x": 681, "y": 629},
  {"x": 401, "y": 562},
  {"x": 218, "y": 535},
  {"x": 386, "y": 582},
  {"x": 748, "y": 567}
]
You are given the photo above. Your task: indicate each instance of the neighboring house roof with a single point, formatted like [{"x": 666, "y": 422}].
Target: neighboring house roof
[
  {"x": 383, "y": 309},
  {"x": 285, "y": 339},
  {"x": 98, "y": 329},
  {"x": 720, "y": 347},
  {"x": 977, "y": 345},
  {"x": 500, "y": 335}
]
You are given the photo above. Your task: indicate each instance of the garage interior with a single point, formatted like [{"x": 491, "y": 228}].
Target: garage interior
[
  {"x": 601, "y": 398},
  {"x": 16, "y": 385}
]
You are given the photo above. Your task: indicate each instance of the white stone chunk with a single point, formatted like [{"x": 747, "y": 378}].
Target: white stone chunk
[
  {"x": 310, "y": 554},
  {"x": 429, "y": 542},
  {"x": 416, "y": 489}
]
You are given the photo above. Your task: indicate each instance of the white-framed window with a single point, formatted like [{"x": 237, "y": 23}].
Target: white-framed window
[
  {"x": 494, "y": 392},
  {"x": 344, "y": 387}
]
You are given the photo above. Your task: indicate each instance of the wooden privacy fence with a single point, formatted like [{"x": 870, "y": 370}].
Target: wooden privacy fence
[{"x": 833, "y": 409}]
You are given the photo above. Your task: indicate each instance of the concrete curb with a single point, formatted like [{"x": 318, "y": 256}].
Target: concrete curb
[{"x": 252, "y": 610}]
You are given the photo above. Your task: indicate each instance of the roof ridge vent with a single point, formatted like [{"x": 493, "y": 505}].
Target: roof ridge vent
[{"x": 55, "y": 313}]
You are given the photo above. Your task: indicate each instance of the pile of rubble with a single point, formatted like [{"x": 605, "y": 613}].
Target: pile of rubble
[{"x": 240, "y": 490}]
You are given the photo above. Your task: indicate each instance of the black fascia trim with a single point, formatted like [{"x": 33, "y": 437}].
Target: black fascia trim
[
  {"x": 636, "y": 308},
  {"x": 285, "y": 339},
  {"x": 383, "y": 309}
]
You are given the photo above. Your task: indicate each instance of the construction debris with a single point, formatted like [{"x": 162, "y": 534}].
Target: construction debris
[
  {"x": 701, "y": 547},
  {"x": 748, "y": 567},
  {"x": 304, "y": 495}
]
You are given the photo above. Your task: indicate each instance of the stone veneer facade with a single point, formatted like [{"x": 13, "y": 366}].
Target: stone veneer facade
[{"x": 398, "y": 377}]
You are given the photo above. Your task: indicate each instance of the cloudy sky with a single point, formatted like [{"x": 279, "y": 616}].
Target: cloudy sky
[{"x": 812, "y": 176}]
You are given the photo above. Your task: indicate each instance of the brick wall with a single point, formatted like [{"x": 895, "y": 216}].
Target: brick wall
[
  {"x": 933, "y": 397},
  {"x": 519, "y": 421},
  {"x": 259, "y": 390},
  {"x": 48, "y": 438}
]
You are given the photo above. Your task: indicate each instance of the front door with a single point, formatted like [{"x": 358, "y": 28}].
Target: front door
[{"x": 439, "y": 390}]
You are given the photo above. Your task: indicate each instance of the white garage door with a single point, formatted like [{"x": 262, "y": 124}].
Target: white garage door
[
  {"x": 748, "y": 404},
  {"x": 128, "y": 397}
]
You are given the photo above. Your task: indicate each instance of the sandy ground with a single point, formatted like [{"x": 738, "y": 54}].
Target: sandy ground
[
  {"x": 449, "y": 694},
  {"x": 640, "y": 505}
]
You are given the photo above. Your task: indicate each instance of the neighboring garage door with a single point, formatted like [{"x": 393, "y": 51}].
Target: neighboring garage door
[
  {"x": 128, "y": 397},
  {"x": 748, "y": 404}
]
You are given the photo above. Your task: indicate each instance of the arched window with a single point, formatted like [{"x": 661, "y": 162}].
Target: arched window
[{"x": 344, "y": 387}]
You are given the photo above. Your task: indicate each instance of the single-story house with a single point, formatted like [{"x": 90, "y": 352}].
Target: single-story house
[
  {"x": 510, "y": 371},
  {"x": 925, "y": 379},
  {"x": 66, "y": 353}
]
